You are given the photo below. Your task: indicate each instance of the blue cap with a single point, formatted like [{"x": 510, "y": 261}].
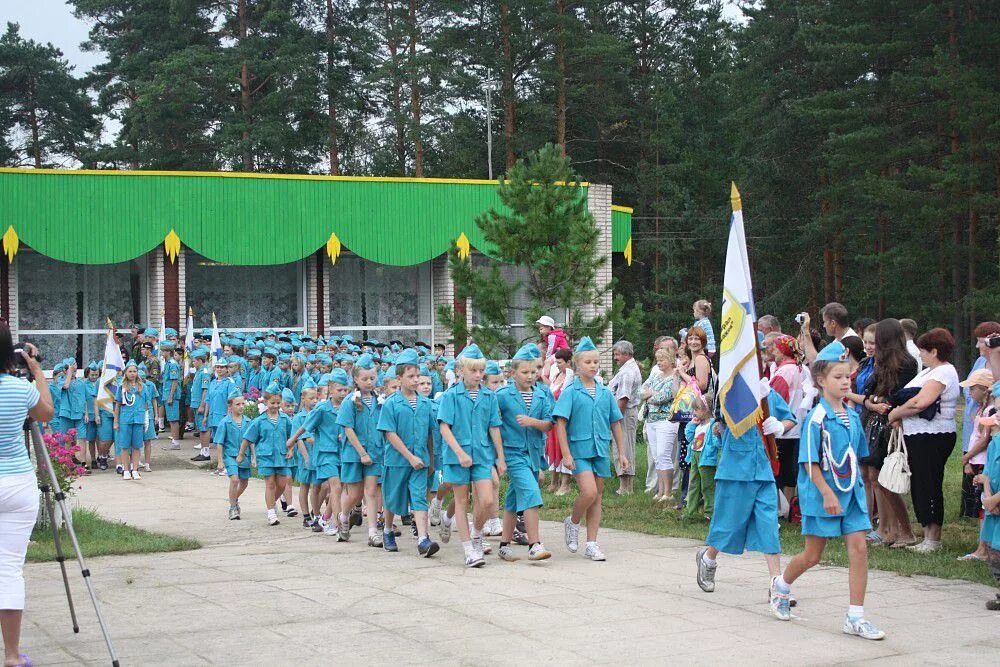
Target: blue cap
[
  {"x": 390, "y": 374},
  {"x": 308, "y": 384},
  {"x": 586, "y": 345},
  {"x": 347, "y": 339},
  {"x": 234, "y": 392},
  {"x": 311, "y": 359},
  {"x": 170, "y": 331},
  {"x": 287, "y": 395},
  {"x": 141, "y": 373},
  {"x": 200, "y": 353},
  {"x": 527, "y": 352},
  {"x": 324, "y": 380},
  {"x": 273, "y": 389},
  {"x": 422, "y": 369},
  {"x": 835, "y": 352},
  {"x": 492, "y": 368},
  {"x": 253, "y": 354},
  {"x": 365, "y": 361},
  {"x": 408, "y": 357},
  {"x": 68, "y": 361},
  {"x": 60, "y": 367},
  {"x": 150, "y": 332},
  {"x": 166, "y": 345},
  {"x": 233, "y": 359},
  {"x": 131, "y": 364},
  {"x": 206, "y": 333},
  {"x": 93, "y": 366},
  {"x": 339, "y": 376},
  {"x": 471, "y": 352}
]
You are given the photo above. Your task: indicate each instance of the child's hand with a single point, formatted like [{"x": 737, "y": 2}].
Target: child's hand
[
  {"x": 830, "y": 503},
  {"x": 365, "y": 459},
  {"x": 239, "y": 458},
  {"x": 569, "y": 462},
  {"x": 97, "y": 419},
  {"x": 980, "y": 479},
  {"x": 967, "y": 469},
  {"x": 115, "y": 425},
  {"x": 85, "y": 420},
  {"x": 622, "y": 462},
  {"x": 416, "y": 462},
  {"x": 290, "y": 454},
  {"x": 253, "y": 462},
  {"x": 501, "y": 466},
  {"x": 290, "y": 443},
  {"x": 465, "y": 460},
  {"x": 991, "y": 504},
  {"x": 525, "y": 420},
  {"x": 305, "y": 460}
]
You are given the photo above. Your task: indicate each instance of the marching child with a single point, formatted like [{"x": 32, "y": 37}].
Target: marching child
[
  {"x": 170, "y": 391},
  {"x": 305, "y": 473},
  {"x": 989, "y": 480},
  {"x": 200, "y": 382},
  {"x": 72, "y": 407},
  {"x": 229, "y": 435},
  {"x": 587, "y": 417},
  {"x": 702, "y": 456},
  {"x": 493, "y": 379},
  {"x": 130, "y": 420},
  {"x": 266, "y": 437},
  {"x": 362, "y": 449},
  {"x": 470, "y": 428},
  {"x": 407, "y": 424},
  {"x": 92, "y": 375},
  {"x": 104, "y": 420},
  {"x": 831, "y": 491},
  {"x": 322, "y": 423},
  {"x": 152, "y": 406},
  {"x": 288, "y": 403},
  {"x": 218, "y": 407},
  {"x": 526, "y": 414}
]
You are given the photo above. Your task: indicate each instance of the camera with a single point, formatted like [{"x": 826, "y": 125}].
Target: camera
[
  {"x": 993, "y": 341},
  {"x": 801, "y": 318},
  {"x": 21, "y": 362}
]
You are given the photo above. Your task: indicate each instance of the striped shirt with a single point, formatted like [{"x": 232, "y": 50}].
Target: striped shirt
[
  {"x": 473, "y": 394},
  {"x": 843, "y": 418},
  {"x": 17, "y": 397},
  {"x": 526, "y": 395},
  {"x": 413, "y": 401}
]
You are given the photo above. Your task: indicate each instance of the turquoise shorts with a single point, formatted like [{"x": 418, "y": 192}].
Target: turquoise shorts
[
  {"x": 172, "y": 410},
  {"x": 404, "y": 489},
  {"x": 280, "y": 471},
  {"x": 304, "y": 475},
  {"x": 745, "y": 517},
  {"x": 200, "y": 423},
  {"x": 64, "y": 424},
  {"x": 599, "y": 465},
  {"x": 437, "y": 478},
  {"x": 327, "y": 465},
  {"x": 129, "y": 436},
  {"x": 855, "y": 519},
  {"x": 456, "y": 475},
  {"x": 522, "y": 488}
]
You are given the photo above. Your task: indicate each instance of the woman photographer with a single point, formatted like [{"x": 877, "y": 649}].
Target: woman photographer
[{"x": 19, "y": 398}]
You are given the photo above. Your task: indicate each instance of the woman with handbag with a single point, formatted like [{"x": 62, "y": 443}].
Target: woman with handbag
[
  {"x": 928, "y": 421},
  {"x": 893, "y": 369}
]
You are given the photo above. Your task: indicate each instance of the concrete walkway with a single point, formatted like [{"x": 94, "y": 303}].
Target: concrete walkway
[{"x": 280, "y": 595}]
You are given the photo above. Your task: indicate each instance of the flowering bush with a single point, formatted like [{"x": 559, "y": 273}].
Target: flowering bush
[
  {"x": 251, "y": 410},
  {"x": 62, "y": 449},
  {"x": 252, "y": 395}
]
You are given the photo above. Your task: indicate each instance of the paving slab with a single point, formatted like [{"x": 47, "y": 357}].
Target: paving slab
[{"x": 280, "y": 595}]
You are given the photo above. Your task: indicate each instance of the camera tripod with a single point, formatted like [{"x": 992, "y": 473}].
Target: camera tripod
[{"x": 49, "y": 486}]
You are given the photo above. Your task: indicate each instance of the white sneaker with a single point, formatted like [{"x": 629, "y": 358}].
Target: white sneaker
[
  {"x": 445, "y": 528},
  {"x": 538, "y": 552},
  {"x": 331, "y": 528},
  {"x": 862, "y": 628},
  {"x": 925, "y": 547},
  {"x": 572, "y": 535},
  {"x": 594, "y": 553},
  {"x": 222, "y": 473},
  {"x": 435, "y": 514},
  {"x": 119, "y": 469},
  {"x": 145, "y": 466},
  {"x": 493, "y": 528},
  {"x": 474, "y": 559},
  {"x": 507, "y": 554},
  {"x": 272, "y": 518},
  {"x": 136, "y": 475},
  {"x": 174, "y": 446},
  {"x": 126, "y": 474},
  {"x": 197, "y": 445},
  {"x": 480, "y": 545}
]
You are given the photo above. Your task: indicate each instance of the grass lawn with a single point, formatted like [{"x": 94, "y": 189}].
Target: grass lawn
[
  {"x": 638, "y": 513},
  {"x": 100, "y": 537}
]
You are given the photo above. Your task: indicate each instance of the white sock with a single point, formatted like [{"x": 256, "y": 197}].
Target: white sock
[
  {"x": 782, "y": 585},
  {"x": 707, "y": 560},
  {"x": 468, "y": 548},
  {"x": 343, "y": 519},
  {"x": 435, "y": 503},
  {"x": 445, "y": 519},
  {"x": 575, "y": 523},
  {"x": 477, "y": 532},
  {"x": 591, "y": 544},
  {"x": 372, "y": 531},
  {"x": 204, "y": 451},
  {"x": 856, "y": 611}
]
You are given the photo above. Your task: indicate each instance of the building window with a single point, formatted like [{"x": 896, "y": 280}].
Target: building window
[
  {"x": 522, "y": 331},
  {"x": 370, "y": 300},
  {"x": 64, "y": 308},
  {"x": 245, "y": 298}
]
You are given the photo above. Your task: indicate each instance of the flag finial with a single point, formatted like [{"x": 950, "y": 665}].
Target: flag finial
[
  {"x": 111, "y": 325},
  {"x": 734, "y": 198}
]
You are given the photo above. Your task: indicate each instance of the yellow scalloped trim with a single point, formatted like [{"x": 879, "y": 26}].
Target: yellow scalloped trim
[
  {"x": 172, "y": 244},
  {"x": 333, "y": 248},
  {"x": 10, "y": 243}
]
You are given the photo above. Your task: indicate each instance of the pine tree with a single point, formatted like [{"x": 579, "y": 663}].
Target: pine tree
[{"x": 47, "y": 118}]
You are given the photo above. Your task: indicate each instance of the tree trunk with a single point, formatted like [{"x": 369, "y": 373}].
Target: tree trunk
[
  {"x": 396, "y": 95},
  {"x": 507, "y": 88},
  {"x": 332, "y": 129},
  {"x": 36, "y": 148},
  {"x": 561, "y": 74},
  {"x": 418, "y": 144},
  {"x": 957, "y": 255},
  {"x": 246, "y": 102}
]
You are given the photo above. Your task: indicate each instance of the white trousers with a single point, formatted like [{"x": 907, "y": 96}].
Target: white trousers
[
  {"x": 18, "y": 511},
  {"x": 662, "y": 439}
]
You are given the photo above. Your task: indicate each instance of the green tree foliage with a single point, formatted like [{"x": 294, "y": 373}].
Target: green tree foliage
[{"x": 46, "y": 118}]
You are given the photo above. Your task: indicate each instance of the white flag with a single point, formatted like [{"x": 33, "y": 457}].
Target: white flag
[
  {"x": 113, "y": 364},
  {"x": 216, "y": 341},
  {"x": 188, "y": 342}
]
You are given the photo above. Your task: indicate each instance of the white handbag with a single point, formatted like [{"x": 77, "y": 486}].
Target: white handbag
[{"x": 895, "y": 473}]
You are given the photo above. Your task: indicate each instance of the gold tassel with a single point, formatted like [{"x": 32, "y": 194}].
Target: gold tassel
[{"x": 10, "y": 244}]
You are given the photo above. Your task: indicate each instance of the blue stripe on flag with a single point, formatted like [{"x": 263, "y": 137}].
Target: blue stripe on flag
[{"x": 740, "y": 401}]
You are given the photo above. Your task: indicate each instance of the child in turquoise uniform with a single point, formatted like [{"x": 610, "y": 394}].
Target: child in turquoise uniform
[
  {"x": 703, "y": 457},
  {"x": 746, "y": 502},
  {"x": 152, "y": 405},
  {"x": 469, "y": 420},
  {"x": 217, "y": 397},
  {"x": 255, "y": 373},
  {"x": 526, "y": 415},
  {"x": 435, "y": 494},
  {"x": 229, "y": 435},
  {"x": 72, "y": 406},
  {"x": 288, "y": 408},
  {"x": 199, "y": 398},
  {"x": 406, "y": 423},
  {"x": 170, "y": 391},
  {"x": 989, "y": 480},
  {"x": 305, "y": 473},
  {"x": 362, "y": 450},
  {"x": 56, "y": 390},
  {"x": 104, "y": 420},
  {"x": 493, "y": 380},
  {"x": 130, "y": 420},
  {"x": 831, "y": 491},
  {"x": 91, "y": 376},
  {"x": 587, "y": 418},
  {"x": 322, "y": 423},
  {"x": 266, "y": 438}
]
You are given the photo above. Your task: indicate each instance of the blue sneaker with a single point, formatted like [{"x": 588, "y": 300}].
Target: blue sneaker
[
  {"x": 780, "y": 602},
  {"x": 389, "y": 541},
  {"x": 426, "y": 548}
]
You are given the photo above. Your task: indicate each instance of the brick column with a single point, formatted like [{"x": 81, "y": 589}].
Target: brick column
[
  {"x": 154, "y": 285},
  {"x": 443, "y": 294},
  {"x": 315, "y": 292},
  {"x": 10, "y": 312},
  {"x": 599, "y": 203},
  {"x": 182, "y": 292}
]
